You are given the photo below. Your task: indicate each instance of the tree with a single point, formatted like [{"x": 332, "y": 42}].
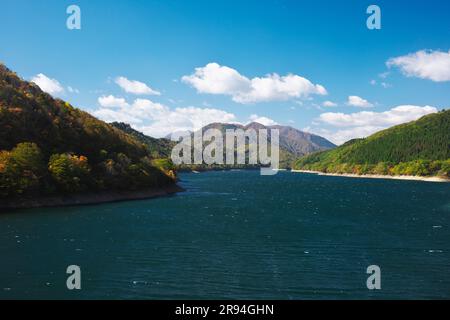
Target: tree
[
  {"x": 381, "y": 168},
  {"x": 70, "y": 172},
  {"x": 21, "y": 170},
  {"x": 445, "y": 168}
]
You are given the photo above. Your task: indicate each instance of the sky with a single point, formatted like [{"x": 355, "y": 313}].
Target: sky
[{"x": 174, "y": 65}]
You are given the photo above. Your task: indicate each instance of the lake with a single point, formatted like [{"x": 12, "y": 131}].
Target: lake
[{"x": 238, "y": 235}]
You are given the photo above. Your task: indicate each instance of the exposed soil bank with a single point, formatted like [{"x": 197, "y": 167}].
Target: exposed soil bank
[
  {"x": 376, "y": 176},
  {"x": 89, "y": 198}
]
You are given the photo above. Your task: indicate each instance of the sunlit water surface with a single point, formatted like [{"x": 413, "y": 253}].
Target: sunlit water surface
[{"x": 238, "y": 235}]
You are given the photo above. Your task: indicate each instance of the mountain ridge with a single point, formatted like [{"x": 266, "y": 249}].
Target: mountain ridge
[
  {"x": 293, "y": 142},
  {"x": 420, "y": 147},
  {"x": 306, "y": 142}
]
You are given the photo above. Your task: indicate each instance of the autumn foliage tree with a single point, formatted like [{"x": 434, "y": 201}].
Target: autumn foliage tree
[
  {"x": 21, "y": 169},
  {"x": 70, "y": 172},
  {"x": 47, "y": 147}
]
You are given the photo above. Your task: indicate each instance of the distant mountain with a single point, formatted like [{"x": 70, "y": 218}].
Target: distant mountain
[
  {"x": 301, "y": 143},
  {"x": 293, "y": 143},
  {"x": 48, "y": 147},
  {"x": 420, "y": 147}
]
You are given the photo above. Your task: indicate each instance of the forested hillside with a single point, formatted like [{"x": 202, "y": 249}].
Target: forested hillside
[
  {"x": 293, "y": 143},
  {"x": 49, "y": 147},
  {"x": 420, "y": 147},
  {"x": 158, "y": 148}
]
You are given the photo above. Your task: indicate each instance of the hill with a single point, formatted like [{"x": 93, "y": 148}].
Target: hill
[
  {"x": 420, "y": 148},
  {"x": 158, "y": 148},
  {"x": 301, "y": 143},
  {"x": 293, "y": 143},
  {"x": 48, "y": 147}
]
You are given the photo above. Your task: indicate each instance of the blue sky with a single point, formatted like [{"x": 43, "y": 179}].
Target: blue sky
[{"x": 238, "y": 46}]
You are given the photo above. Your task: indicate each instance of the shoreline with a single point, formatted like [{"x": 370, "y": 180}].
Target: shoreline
[
  {"x": 375, "y": 176},
  {"x": 90, "y": 199}
]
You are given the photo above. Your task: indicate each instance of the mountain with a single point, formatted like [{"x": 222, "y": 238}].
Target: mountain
[
  {"x": 301, "y": 143},
  {"x": 293, "y": 143},
  {"x": 48, "y": 147},
  {"x": 420, "y": 147}
]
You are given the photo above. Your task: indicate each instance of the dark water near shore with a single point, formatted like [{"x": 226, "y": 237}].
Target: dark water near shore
[{"x": 238, "y": 235}]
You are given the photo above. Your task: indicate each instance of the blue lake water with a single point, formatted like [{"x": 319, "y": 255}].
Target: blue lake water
[{"x": 238, "y": 235}]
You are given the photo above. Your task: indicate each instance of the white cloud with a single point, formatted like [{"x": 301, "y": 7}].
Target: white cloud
[
  {"x": 391, "y": 117},
  {"x": 365, "y": 123},
  {"x": 186, "y": 119},
  {"x": 359, "y": 102},
  {"x": 51, "y": 86},
  {"x": 135, "y": 87},
  {"x": 217, "y": 79},
  {"x": 329, "y": 104},
  {"x": 110, "y": 115},
  {"x": 72, "y": 90},
  {"x": 262, "y": 120},
  {"x": 425, "y": 64},
  {"x": 112, "y": 102},
  {"x": 158, "y": 120},
  {"x": 341, "y": 136}
]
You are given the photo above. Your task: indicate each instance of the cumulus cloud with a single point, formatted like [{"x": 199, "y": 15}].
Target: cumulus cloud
[
  {"x": 391, "y": 117},
  {"x": 186, "y": 119},
  {"x": 359, "y": 102},
  {"x": 329, "y": 104},
  {"x": 262, "y": 120},
  {"x": 110, "y": 115},
  {"x": 49, "y": 85},
  {"x": 341, "y": 127},
  {"x": 341, "y": 136},
  {"x": 135, "y": 87},
  {"x": 216, "y": 79},
  {"x": 158, "y": 120},
  {"x": 112, "y": 102},
  {"x": 425, "y": 64}
]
